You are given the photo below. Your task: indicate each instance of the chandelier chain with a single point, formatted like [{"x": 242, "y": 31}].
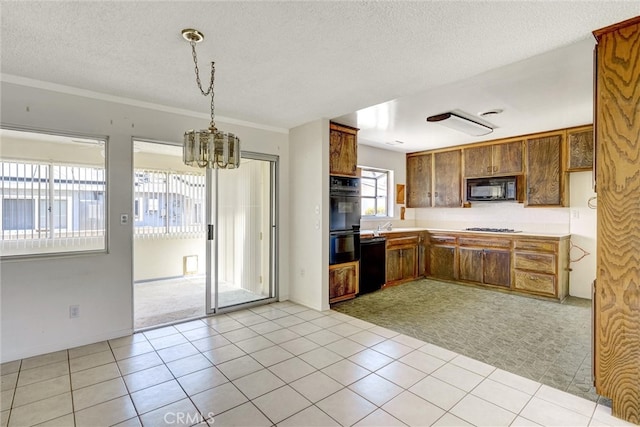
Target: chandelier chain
[{"x": 210, "y": 89}]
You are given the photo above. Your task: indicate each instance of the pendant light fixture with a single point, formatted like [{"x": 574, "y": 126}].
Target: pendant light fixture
[{"x": 208, "y": 148}]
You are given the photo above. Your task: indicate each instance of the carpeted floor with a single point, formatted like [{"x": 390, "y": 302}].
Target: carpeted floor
[
  {"x": 163, "y": 301},
  {"x": 543, "y": 340}
]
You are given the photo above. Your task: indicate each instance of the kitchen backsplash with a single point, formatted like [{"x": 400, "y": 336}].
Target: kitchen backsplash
[{"x": 496, "y": 215}]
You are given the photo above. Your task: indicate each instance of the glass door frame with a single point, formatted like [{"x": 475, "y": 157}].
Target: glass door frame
[{"x": 212, "y": 238}]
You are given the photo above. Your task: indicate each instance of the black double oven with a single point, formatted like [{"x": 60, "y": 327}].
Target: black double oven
[{"x": 344, "y": 219}]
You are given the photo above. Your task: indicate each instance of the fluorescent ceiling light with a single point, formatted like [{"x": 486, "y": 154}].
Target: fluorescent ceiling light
[{"x": 461, "y": 124}]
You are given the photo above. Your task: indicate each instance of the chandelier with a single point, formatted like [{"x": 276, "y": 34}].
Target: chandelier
[{"x": 208, "y": 148}]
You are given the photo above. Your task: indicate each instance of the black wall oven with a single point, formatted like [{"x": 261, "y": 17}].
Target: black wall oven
[{"x": 344, "y": 219}]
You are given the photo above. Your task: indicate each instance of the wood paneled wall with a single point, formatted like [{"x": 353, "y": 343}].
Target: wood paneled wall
[{"x": 617, "y": 292}]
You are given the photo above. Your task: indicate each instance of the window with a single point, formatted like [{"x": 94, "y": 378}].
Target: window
[
  {"x": 53, "y": 191},
  {"x": 374, "y": 192},
  {"x": 168, "y": 203}
]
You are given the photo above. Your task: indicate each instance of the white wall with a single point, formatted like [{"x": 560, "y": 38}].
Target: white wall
[
  {"x": 147, "y": 252},
  {"x": 395, "y": 162},
  {"x": 498, "y": 215},
  {"x": 309, "y": 226},
  {"x": 36, "y": 293},
  {"x": 583, "y": 234}
]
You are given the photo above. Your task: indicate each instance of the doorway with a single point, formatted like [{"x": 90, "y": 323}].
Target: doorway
[{"x": 179, "y": 273}]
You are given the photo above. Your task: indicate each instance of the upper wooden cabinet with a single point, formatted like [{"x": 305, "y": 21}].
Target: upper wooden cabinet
[
  {"x": 419, "y": 169},
  {"x": 545, "y": 177},
  {"x": 343, "y": 145},
  {"x": 580, "y": 148},
  {"x": 447, "y": 183},
  {"x": 496, "y": 159},
  {"x": 617, "y": 288}
]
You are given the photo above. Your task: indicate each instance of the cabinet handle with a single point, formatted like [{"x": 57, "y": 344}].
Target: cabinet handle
[
  {"x": 495, "y": 169},
  {"x": 488, "y": 168},
  {"x": 436, "y": 194}
]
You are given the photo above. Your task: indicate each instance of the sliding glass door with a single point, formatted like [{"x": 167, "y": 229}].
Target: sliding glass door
[
  {"x": 241, "y": 235},
  {"x": 204, "y": 240}
]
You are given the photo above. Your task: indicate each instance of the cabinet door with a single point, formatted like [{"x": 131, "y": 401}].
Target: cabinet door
[
  {"x": 544, "y": 171},
  {"x": 343, "y": 281},
  {"x": 497, "y": 267},
  {"x": 477, "y": 161},
  {"x": 470, "y": 264},
  {"x": 580, "y": 149},
  {"x": 422, "y": 256},
  {"x": 394, "y": 265},
  {"x": 419, "y": 181},
  {"x": 507, "y": 158},
  {"x": 343, "y": 154},
  {"x": 447, "y": 187},
  {"x": 442, "y": 261},
  {"x": 409, "y": 257}
]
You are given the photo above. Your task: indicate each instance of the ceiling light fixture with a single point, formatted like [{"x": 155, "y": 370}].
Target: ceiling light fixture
[
  {"x": 461, "y": 124},
  {"x": 208, "y": 148}
]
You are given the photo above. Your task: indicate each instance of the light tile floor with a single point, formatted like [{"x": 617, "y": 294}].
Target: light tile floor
[{"x": 279, "y": 364}]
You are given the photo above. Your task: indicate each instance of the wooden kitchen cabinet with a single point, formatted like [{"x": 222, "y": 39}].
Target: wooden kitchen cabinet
[
  {"x": 402, "y": 258},
  {"x": 497, "y": 267},
  {"x": 493, "y": 160},
  {"x": 442, "y": 257},
  {"x": 545, "y": 175},
  {"x": 419, "y": 169},
  {"x": 471, "y": 264},
  {"x": 343, "y": 281},
  {"x": 485, "y": 261},
  {"x": 447, "y": 185},
  {"x": 580, "y": 148},
  {"x": 343, "y": 146},
  {"x": 617, "y": 288},
  {"x": 541, "y": 267}
]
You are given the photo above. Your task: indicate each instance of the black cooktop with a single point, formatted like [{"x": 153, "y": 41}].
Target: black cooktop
[{"x": 492, "y": 230}]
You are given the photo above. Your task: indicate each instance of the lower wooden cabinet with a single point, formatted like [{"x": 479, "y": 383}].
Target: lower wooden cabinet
[
  {"x": 402, "y": 258},
  {"x": 497, "y": 267},
  {"x": 523, "y": 264},
  {"x": 527, "y": 264},
  {"x": 442, "y": 262},
  {"x": 541, "y": 267},
  {"x": 343, "y": 281},
  {"x": 442, "y": 257},
  {"x": 487, "y": 261}
]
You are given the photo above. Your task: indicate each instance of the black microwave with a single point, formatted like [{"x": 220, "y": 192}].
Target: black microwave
[{"x": 491, "y": 189}]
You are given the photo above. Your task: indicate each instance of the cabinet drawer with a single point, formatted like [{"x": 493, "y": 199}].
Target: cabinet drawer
[
  {"x": 401, "y": 241},
  {"x": 534, "y": 282},
  {"x": 532, "y": 245},
  {"x": 544, "y": 263},
  {"x": 467, "y": 241},
  {"x": 443, "y": 239}
]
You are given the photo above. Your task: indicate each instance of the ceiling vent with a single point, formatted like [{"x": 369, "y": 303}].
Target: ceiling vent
[{"x": 461, "y": 124}]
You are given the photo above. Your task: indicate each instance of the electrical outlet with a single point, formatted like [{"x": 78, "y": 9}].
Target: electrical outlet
[
  {"x": 124, "y": 219},
  {"x": 74, "y": 311},
  {"x": 575, "y": 214}
]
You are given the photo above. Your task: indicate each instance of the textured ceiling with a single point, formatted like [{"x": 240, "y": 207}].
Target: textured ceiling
[{"x": 282, "y": 64}]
